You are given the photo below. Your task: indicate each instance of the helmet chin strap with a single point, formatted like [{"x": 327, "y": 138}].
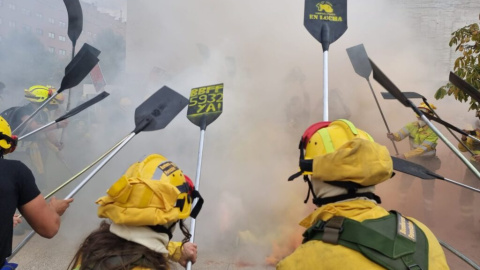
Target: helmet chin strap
[
  {"x": 369, "y": 195},
  {"x": 310, "y": 189}
]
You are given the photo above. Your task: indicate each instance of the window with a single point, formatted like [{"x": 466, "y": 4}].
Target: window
[
  {"x": 51, "y": 35},
  {"x": 39, "y": 15},
  {"x": 60, "y": 23},
  {"x": 0, "y": 20},
  {"x": 51, "y": 50},
  {"x": 51, "y": 20},
  {"x": 62, "y": 52},
  {"x": 12, "y": 24},
  {"x": 61, "y": 38},
  {"x": 12, "y": 6},
  {"x": 27, "y": 28},
  {"x": 39, "y": 31}
]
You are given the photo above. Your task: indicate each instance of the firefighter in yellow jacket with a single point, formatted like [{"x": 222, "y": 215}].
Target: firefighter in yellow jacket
[
  {"x": 37, "y": 146},
  {"x": 349, "y": 229},
  {"x": 466, "y": 196},
  {"x": 423, "y": 142},
  {"x": 144, "y": 206}
]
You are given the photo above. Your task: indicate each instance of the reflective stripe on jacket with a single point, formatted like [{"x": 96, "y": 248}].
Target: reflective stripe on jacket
[{"x": 423, "y": 140}]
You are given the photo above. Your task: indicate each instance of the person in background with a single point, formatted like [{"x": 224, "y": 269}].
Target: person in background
[
  {"x": 143, "y": 208},
  {"x": 423, "y": 143},
  {"x": 37, "y": 145},
  {"x": 19, "y": 191},
  {"x": 349, "y": 229},
  {"x": 467, "y": 198}
]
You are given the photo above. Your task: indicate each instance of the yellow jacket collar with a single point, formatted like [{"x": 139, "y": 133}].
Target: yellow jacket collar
[{"x": 358, "y": 209}]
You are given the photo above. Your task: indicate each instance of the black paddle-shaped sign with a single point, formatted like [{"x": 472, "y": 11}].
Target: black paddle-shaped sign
[
  {"x": 75, "y": 27},
  {"x": 70, "y": 113},
  {"x": 419, "y": 171},
  {"x": 326, "y": 20},
  {"x": 75, "y": 72},
  {"x": 159, "y": 114},
  {"x": 359, "y": 58},
  {"x": 361, "y": 64},
  {"x": 387, "y": 95},
  {"x": 206, "y": 105},
  {"x": 75, "y": 20},
  {"x": 80, "y": 66}
]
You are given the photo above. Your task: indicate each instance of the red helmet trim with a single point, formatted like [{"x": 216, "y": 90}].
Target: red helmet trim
[{"x": 312, "y": 129}]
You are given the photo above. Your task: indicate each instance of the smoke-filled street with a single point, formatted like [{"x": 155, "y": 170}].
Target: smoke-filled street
[{"x": 272, "y": 72}]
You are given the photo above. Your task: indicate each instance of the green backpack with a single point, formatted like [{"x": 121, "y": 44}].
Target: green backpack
[{"x": 393, "y": 241}]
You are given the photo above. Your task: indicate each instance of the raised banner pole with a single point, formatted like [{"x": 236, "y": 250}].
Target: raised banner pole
[
  {"x": 326, "y": 21},
  {"x": 206, "y": 105}
]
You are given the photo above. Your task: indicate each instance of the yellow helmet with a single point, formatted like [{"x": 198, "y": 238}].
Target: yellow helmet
[
  {"x": 151, "y": 192},
  {"x": 426, "y": 109},
  {"x": 5, "y": 130},
  {"x": 337, "y": 153},
  {"x": 7, "y": 141},
  {"x": 328, "y": 139},
  {"x": 40, "y": 93}
]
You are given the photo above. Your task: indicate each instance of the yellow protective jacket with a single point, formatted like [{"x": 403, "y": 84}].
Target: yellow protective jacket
[
  {"x": 423, "y": 140},
  {"x": 472, "y": 144},
  {"x": 366, "y": 163},
  {"x": 316, "y": 254},
  {"x": 174, "y": 254}
]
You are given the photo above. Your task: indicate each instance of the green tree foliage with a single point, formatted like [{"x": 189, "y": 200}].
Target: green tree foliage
[{"x": 467, "y": 66}]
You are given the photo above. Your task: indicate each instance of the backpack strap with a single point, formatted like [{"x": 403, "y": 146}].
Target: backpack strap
[{"x": 393, "y": 241}]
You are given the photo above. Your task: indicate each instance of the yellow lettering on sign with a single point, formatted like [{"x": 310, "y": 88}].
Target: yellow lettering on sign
[
  {"x": 200, "y": 108},
  {"x": 323, "y": 17},
  {"x": 206, "y": 90},
  {"x": 210, "y": 108}
]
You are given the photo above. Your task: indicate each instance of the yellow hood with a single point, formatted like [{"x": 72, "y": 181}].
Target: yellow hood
[{"x": 360, "y": 161}]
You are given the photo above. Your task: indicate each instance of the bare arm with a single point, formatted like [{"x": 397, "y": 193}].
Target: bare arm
[{"x": 44, "y": 218}]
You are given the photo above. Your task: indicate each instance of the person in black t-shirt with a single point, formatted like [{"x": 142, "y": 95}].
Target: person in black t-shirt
[{"x": 19, "y": 191}]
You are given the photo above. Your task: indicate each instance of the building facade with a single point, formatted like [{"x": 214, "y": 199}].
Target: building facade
[{"x": 48, "y": 20}]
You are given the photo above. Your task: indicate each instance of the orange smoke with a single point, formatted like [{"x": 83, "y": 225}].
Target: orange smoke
[{"x": 284, "y": 247}]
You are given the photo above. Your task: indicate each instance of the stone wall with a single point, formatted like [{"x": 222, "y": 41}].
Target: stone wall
[{"x": 436, "y": 20}]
